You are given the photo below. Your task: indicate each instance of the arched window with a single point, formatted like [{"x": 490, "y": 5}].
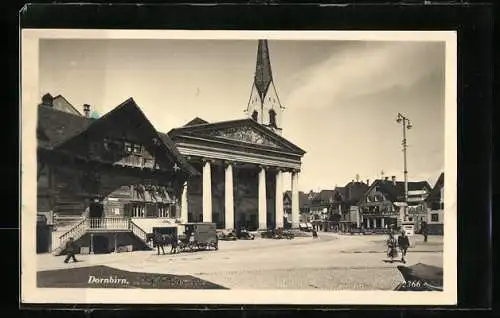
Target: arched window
[
  {"x": 255, "y": 115},
  {"x": 272, "y": 118}
]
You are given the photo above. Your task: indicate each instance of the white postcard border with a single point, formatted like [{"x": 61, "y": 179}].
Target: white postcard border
[{"x": 29, "y": 98}]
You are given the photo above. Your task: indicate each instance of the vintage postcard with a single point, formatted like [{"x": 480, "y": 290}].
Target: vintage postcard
[{"x": 238, "y": 167}]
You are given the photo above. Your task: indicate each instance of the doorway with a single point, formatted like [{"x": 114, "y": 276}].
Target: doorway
[{"x": 96, "y": 210}]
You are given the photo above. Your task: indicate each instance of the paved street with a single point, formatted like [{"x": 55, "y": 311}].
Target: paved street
[{"x": 333, "y": 262}]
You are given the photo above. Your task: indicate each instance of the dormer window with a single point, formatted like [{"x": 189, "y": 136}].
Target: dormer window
[
  {"x": 136, "y": 149},
  {"x": 128, "y": 147}
]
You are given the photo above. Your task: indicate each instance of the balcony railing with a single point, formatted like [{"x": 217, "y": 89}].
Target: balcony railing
[
  {"x": 108, "y": 224},
  {"x": 136, "y": 161},
  {"x": 101, "y": 225}
]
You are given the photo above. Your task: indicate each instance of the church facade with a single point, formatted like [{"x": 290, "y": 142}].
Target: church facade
[
  {"x": 113, "y": 179},
  {"x": 242, "y": 163}
]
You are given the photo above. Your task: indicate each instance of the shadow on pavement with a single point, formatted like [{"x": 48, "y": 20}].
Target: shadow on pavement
[
  {"x": 107, "y": 277},
  {"x": 421, "y": 277}
]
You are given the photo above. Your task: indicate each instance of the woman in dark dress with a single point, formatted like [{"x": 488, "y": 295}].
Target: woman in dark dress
[{"x": 392, "y": 251}]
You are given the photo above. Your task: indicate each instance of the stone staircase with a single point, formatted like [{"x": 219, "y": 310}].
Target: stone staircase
[{"x": 99, "y": 225}]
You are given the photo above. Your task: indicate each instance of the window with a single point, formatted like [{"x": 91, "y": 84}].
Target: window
[
  {"x": 272, "y": 118},
  {"x": 255, "y": 115},
  {"x": 128, "y": 147},
  {"x": 434, "y": 217},
  {"x": 138, "y": 211},
  {"x": 116, "y": 211},
  {"x": 163, "y": 210},
  {"x": 137, "y": 149}
]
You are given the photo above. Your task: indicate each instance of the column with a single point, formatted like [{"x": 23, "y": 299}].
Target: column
[
  {"x": 262, "y": 199},
  {"x": 374, "y": 223},
  {"x": 279, "y": 199},
  {"x": 358, "y": 217},
  {"x": 383, "y": 222},
  {"x": 91, "y": 247},
  {"x": 228, "y": 196},
  {"x": 295, "y": 200},
  {"x": 184, "y": 203},
  {"x": 207, "y": 192},
  {"x": 368, "y": 223},
  {"x": 115, "y": 237}
]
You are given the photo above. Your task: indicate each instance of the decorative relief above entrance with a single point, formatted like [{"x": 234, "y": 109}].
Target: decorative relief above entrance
[{"x": 245, "y": 134}]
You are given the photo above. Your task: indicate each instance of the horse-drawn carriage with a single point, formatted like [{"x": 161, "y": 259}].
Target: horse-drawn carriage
[
  {"x": 192, "y": 236},
  {"x": 198, "y": 236}
]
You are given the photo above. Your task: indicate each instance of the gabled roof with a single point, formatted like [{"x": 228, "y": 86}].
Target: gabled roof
[
  {"x": 396, "y": 192},
  {"x": 58, "y": 126},
  {"x": 435, "y": 194},
  {"x": 196, "y": 121},
  {"x": 200, "y": 129},
  {"x": 61, "y": 127}
]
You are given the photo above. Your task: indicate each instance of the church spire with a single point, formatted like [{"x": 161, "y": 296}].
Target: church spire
[
  {"x": 264, "y": 105},
  {"x": 263, "y": 74}
]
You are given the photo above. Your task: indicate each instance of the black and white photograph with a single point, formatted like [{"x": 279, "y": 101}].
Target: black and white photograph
[{"x": 239, "y": 167}]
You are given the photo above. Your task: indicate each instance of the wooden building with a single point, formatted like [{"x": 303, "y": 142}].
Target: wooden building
[{"x": 115, "y": 175}]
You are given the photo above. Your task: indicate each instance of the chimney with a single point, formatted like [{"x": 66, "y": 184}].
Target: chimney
[
  {"x": 47, "y": 100},
  {"x": 386, "y": 178},
  {"x": 393, "y": 180},
  {"x": 86, "y": 110},
  {"x": 367, "y": 182}
]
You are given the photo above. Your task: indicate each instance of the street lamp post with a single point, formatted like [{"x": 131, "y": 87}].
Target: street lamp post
[{"x": 406, "y": 124}]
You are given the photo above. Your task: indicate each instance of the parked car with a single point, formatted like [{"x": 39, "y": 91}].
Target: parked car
[
  {"x": 226, "y": 235},
  {"x": 245, "y": 235}
]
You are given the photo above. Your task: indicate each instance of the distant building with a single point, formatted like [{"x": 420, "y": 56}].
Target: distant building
[
  {"x": 435, "y": 208},
  {"x": 304, "y": 206},
  {"x": 380, "y": 205},
  {"x": 350, "y": 196}
]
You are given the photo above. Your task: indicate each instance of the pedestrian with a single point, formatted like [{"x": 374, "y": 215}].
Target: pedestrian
[
  {"x": 391, "y": 247},
  {"x": 71, "y": 250},
  {"x": 403, "y": 243},
  {"x": 425, "y": 232},
  {"x": 314, "y": 233}
]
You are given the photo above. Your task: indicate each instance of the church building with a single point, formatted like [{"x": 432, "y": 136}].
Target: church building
[
  {"x": 110, "y": 180},
  {"x": 241, "y": 162}
]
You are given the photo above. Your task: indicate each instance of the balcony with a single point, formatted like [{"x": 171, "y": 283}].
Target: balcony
[{"x": 136, "y": 161}]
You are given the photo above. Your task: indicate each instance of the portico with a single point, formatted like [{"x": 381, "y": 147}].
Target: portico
[{"x": 243, "y": 167}]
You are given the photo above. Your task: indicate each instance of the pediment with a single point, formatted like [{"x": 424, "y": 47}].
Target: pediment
[
  {"x": 245, "y": 134},
  {"x": 241, "y": 132}
]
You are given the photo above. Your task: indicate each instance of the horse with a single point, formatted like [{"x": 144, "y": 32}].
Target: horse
[{"x": 161, "y": 240}]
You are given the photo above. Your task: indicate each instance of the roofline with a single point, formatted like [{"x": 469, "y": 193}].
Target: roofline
[
  {"x": 130, "y": 101},
  {"x": 177, "y": 131},
  {"x": 61, "y": 96}
]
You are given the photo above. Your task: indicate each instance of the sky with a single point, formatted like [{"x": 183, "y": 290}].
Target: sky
[{"x": 341, "y": 97}]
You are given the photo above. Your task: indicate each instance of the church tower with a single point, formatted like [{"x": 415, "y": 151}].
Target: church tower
[{"x": 264, "y": 105}]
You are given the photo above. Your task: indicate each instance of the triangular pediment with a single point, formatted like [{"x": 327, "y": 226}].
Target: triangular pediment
[{"x": 242, "y": 132}]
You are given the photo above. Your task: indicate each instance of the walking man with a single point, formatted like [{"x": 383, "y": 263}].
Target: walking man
[
  {"x": 403, "y": 243},
  {"x": 71, "y": 250}
]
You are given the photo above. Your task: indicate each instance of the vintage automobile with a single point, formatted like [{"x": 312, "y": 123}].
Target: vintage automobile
[
  {"x": 244, "y": 235},
  {"x": 279, "y": 233},
  {"x": 226, "y": 235},
  {"x": 198, "y": 236}
]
